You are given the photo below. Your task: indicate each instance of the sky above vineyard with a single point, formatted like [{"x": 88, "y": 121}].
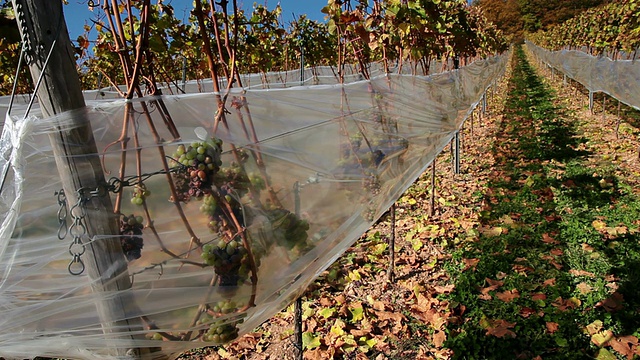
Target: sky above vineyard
[{"x": 77, "y": 13}]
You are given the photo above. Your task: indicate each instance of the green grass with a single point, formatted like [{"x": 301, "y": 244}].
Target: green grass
[{"x": 545, "y": 244}]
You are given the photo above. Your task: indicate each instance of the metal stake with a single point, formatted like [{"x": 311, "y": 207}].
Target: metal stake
[
  {"x": 392, "y": 244},
  {"x": 297, "y": 309},
  {"x": 456, "y": 168},
  {"x": 432, "y": 201}
]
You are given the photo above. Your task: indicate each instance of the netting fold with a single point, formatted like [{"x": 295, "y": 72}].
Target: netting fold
[
  {"x": 617, "y": 78},
  {"x": 302, "y": 171}
]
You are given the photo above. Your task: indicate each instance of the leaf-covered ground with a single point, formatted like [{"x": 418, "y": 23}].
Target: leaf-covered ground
[{"x": 532, "y": 253}]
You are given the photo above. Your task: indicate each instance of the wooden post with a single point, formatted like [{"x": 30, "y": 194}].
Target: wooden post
[{"x": 43, "y": 29}]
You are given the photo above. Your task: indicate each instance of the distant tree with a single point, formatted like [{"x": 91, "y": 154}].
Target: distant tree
[
  {"x": 10, "y": 53},
  {"x": 515, "y": 16}
]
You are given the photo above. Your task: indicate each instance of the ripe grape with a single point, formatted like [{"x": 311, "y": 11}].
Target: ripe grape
[{"x": 131, "y": 240}]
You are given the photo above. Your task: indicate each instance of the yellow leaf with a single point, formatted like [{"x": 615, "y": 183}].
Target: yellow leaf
[
  {"x": 604, "y": 354},
  {"x": 594, "y": 327},
  {"x": 492, "y": 232},
  {"x": 601, "y": 338},
  {"x": 506, "y": 219},
  {"x": 598, "y": 224}
]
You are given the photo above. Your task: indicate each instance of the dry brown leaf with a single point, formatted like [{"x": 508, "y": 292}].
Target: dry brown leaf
[
  {"x": 586, "y": 247},
  {"x": 525, "y": 312},
  {"x": 614, "y": 303},
  {"x": 556, "y": 252},
  {"x": 546, "y": 238},
  {"x": 500, "y": 329},
  {"x": 447, "y": 289},
  {"x": 552, "y": 327},
  {"x": 470, "y": 264},
  {"x": 521, "y": 269},
  {"x": 508, "y": 295},
  {"x": 439, "y": 337},
  {"x": 538, "y": 296},
  {"x": 563, "y": 305},
  {"x": 581, "y": 273},
  {"x": 584, "y": 288},
  {"x": 549, "y": 282},
  {"x": 625, "y": 345}
]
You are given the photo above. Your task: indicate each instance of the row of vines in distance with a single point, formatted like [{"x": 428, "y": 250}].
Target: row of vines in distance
[
  {"x": 355, "y": 32},
  {"x": 611, "y": 27}
]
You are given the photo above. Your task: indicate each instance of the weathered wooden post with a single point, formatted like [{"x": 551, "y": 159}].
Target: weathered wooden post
[{"x": 49, "y": 55}]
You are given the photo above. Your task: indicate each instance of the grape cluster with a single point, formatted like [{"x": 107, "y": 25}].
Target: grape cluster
[
  {"x": 131, "y": 236},
  {"x": 200, "y": 162},
  {"x": 221, "y": 330},
  {"x": 140, "y": 194},
  {"x": 230, "y": 261},
  {"x": 232, "y": 180},
  {"x": 289, "y": 230}
]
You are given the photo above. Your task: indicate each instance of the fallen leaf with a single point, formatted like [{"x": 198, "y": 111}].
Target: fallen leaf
[
  {"x": 447, "y": 289},
  {"x": 601, "y": 338},
  {"x": 556, "y": 252},
  {"x": 594, "y": 327},
  {"x": 586, "y": 247},
  {"x": 493, "y": 231},
  {"x": 567, "y": 304},
  {"x": 439, "y": 337},
  {"x": 500, "y": 329},
  {"x": 575, "y": 272},
  {"x": 552, "y": 327},
  {"x": 508, "y": 295},
  {"x": 614, "y": 303},
  {"x": 548, "y": 239},
  {"x": 525, "y": 312},
  {"x": 584, "y": 288},
  {"x": 604, "y": 354},
  {"x": 538, "y": 296},
  {"x": 470, "y": 264},
  {"x": 521, "y": 269},
  {"x": 625, "y": 345},
  {"x": 598, "y": 224},
  {"x": 549, "y": 282},
  {"x": 506, "y": 219}
]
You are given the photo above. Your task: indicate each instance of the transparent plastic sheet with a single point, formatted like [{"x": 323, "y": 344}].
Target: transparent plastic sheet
[
  {"x": 617, "y": 78},
  {"x": 310, "y": 76},
  {"x": 336, "y": 156}
]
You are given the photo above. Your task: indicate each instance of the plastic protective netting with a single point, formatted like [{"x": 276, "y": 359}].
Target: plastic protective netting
[
  {"x": 309, "y": 76},
  {"x": 335, "y": 156},
  {"x": 617, "y": 78}
]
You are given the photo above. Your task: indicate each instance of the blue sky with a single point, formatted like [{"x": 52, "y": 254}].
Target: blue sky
[{"x": 77, "y": 12}]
